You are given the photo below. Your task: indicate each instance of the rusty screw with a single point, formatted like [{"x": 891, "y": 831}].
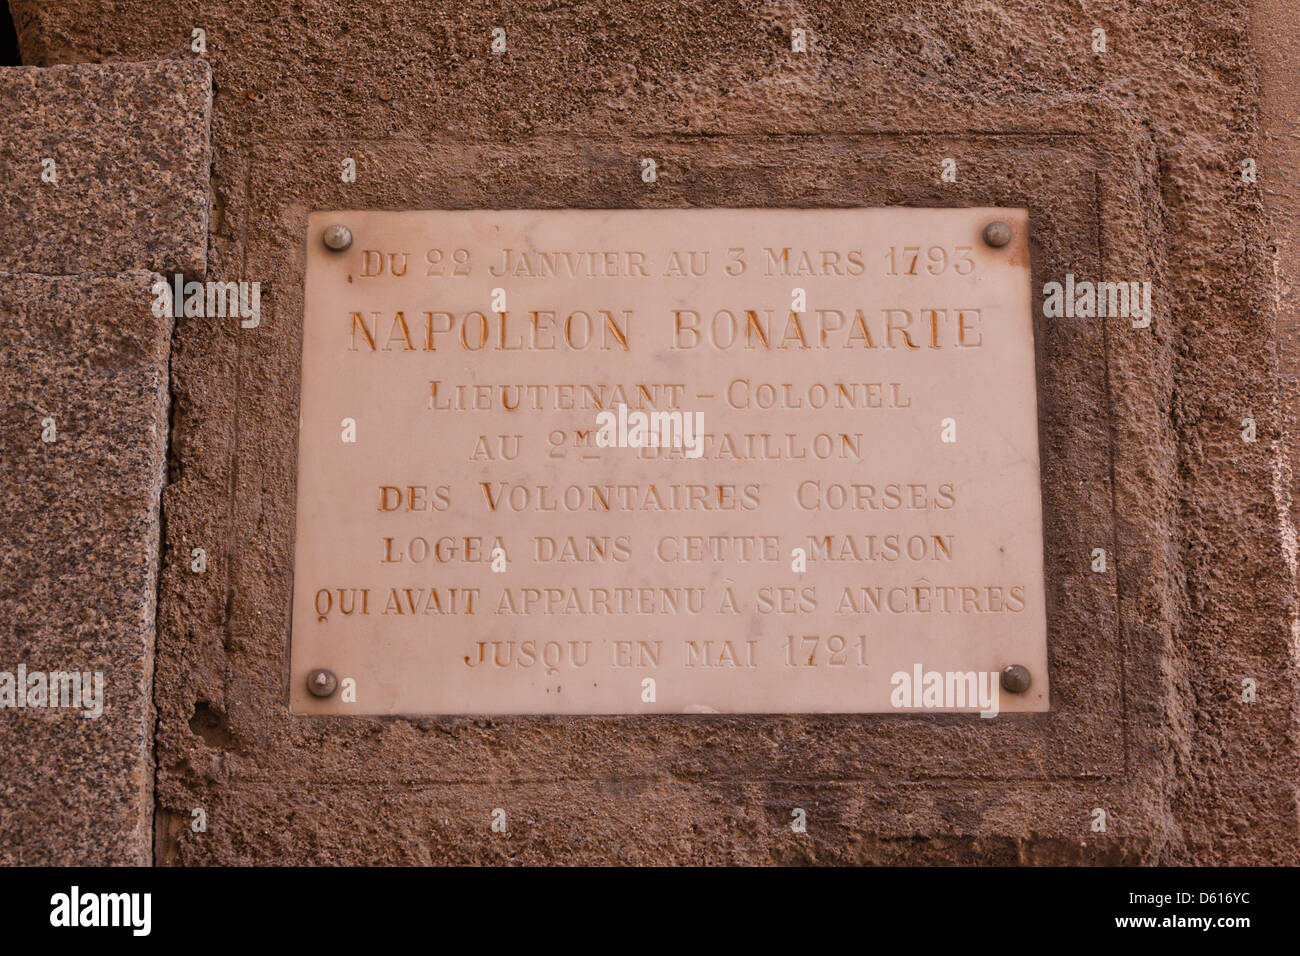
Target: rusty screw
[
  {"x": 1015, "y": 679},
  {"x": 337, "y": 238},
  {"x": 997, "y": 234},
  {"x": 321, "y": 682}
]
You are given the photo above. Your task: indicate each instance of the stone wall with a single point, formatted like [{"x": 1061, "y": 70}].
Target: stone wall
[
  {"x": 83, "y": 442},
  {"x": 1128, "y": 161}
]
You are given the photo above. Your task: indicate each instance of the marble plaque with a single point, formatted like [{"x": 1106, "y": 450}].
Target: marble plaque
[{"x": 668, "y": 461}]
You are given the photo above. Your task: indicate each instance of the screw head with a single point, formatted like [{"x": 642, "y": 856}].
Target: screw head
[
  {"x": 321, "y": 682},
  {"x": 337, "y": 238},
  {"x": 997, "y": 233},
  {"x": 1015, "y": 679}
]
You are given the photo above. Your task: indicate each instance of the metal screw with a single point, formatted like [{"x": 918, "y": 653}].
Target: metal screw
[
  {"x": 321, "y": 682},
  {"x": 337, "y": 238},
  {"x": 1015, "y": 679},
  {"x": 997, "y": 233}
]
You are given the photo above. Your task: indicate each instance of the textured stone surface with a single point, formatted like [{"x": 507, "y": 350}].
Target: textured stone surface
[
  {"x": 1276, "y": 33},
  {"x": 78, "y": 571},
  {"x": 130, "y": 151},
  {"x": 1125, "y": 161}
]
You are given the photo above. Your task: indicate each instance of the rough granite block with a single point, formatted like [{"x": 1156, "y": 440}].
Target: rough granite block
[
  {"x": 79, "y": 568},
  {"x": 129, "y": 144}
]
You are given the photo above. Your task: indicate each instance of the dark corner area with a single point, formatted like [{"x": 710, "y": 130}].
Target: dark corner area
[{"x": 8, "y": 39}]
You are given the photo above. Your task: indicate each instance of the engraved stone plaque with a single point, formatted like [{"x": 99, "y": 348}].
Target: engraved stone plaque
[{"x": 676, "y": 460}]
